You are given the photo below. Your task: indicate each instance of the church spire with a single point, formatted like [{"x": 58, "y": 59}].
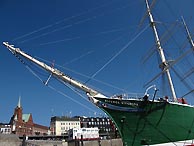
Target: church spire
[{"x": 19, "y": 102}]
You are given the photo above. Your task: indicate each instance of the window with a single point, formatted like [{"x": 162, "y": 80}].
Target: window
[
  {"x": 62, "y": 128},
  {"x": 83, "y": 129}
]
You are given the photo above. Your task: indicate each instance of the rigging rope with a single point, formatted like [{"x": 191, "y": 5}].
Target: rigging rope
[
  {"x": 70, "y": 87},
  {"x": 164, "y": 38},
  {"x": 88, "y": 77},
  {"x": 60, "y": 21},
  {"x": 117, "y": 54},
  {"x": 79, "y": 37},
  {"x": 76, "y": 59},
  {"x": 69, "y": 25},
  {"x": 70, "y": 98},
  {"x": 170, "y": 65},
  {"x": 107, "y": 84},
  {"x": 58, "y": 90}
]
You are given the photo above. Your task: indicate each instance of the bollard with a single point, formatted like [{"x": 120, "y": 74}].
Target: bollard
[
  {"x": 24, "y": 140},
  {"x": 82, "y": 143}
]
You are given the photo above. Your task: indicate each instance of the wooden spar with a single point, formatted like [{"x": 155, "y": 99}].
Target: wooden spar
[{"x": 55, "y": 72}]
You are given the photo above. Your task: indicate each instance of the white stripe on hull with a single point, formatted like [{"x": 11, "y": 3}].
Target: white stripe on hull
[{"x": 178, "y": 143}]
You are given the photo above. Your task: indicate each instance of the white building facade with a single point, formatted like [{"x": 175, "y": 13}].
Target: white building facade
[
  {"x": 5, "y": 128},
  {"x": 84, "y": 133},
  {"x": 61, "y": 125}
]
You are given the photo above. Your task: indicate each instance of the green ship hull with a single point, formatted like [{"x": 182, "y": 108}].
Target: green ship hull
[{"x": 150, "y": 122}]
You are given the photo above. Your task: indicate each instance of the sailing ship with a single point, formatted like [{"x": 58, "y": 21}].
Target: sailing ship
[{"x": 143, "y": 120}]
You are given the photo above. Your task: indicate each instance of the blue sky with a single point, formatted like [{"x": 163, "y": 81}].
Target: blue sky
[{"x": 80, "y": 37}]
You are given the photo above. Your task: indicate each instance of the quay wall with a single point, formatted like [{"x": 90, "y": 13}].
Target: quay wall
[
  {"x": 13, "y": 140},
  {"x": 110, "y": 142},
  {"x": 9, "y": 140}
]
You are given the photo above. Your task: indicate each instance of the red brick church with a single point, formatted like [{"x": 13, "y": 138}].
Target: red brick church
[{"x": 22, "y": 124}]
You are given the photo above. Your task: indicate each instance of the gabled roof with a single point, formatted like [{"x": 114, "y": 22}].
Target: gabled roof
[
  {"x": 41, "y": 126},
  {"x": 25, "y": 117},
  {"x": 63, "y": 118}
]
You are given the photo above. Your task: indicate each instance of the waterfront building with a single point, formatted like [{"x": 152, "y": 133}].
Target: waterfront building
[
  {"x": 40, "y": 130},
  {"x": 104, "y": 124},
  {"x": 84, "y": 134},
  {"x": 61, "y": 125},
  {"x": 5, "y": 128},
  {"x": 22, "y": 124}
]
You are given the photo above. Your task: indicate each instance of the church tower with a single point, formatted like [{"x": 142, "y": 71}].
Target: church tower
[
  {"x": 21, "y": 123},
  {"x": 18, "y": 111}
]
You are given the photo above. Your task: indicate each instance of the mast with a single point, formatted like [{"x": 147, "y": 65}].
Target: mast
[
  {"x": 55, "y": 72},
  {"x": 164, "y": 63}
]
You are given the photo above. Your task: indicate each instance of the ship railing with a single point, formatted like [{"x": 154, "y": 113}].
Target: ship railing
[
  {"x": 139, "y": 96},
  {"x": 128, "y": 96}
]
